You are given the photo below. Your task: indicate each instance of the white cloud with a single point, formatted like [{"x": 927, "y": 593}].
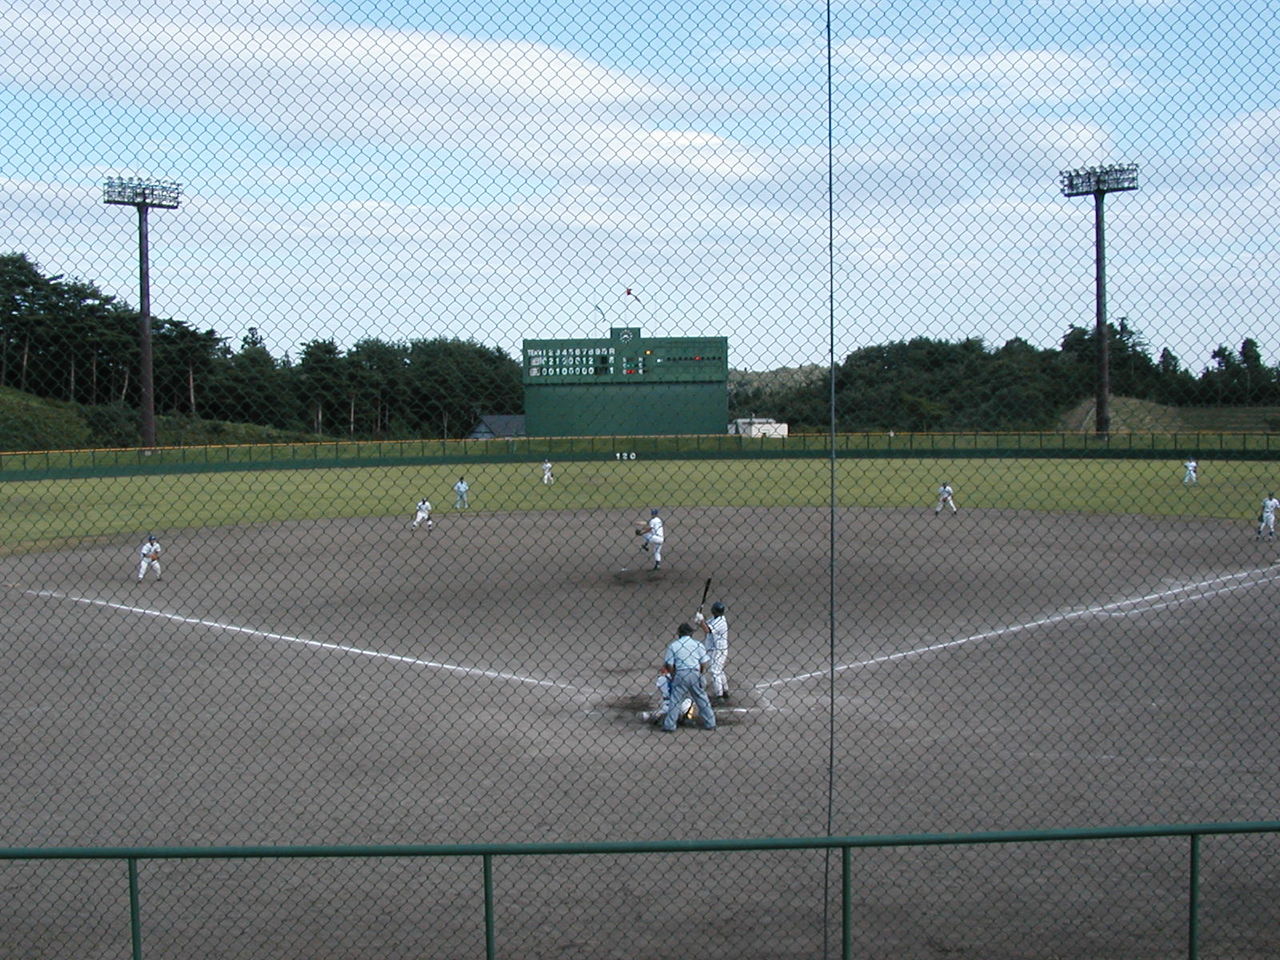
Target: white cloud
[{"x": 312, "y": 80}]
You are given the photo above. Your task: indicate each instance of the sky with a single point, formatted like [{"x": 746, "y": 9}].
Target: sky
[{"x": 501, "y": 171}]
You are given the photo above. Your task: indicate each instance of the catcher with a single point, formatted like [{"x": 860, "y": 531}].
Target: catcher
[
  {"x": 149, "y": 557},
  {"x": 688, "y": 710}
]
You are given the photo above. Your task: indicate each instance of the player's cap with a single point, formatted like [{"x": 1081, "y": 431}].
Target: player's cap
[
  {"x": 151, "y": 536},
  {"x": 653, "y": 512}
]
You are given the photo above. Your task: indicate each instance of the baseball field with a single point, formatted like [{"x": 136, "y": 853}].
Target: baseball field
[{"x": 1086, "y": 643}]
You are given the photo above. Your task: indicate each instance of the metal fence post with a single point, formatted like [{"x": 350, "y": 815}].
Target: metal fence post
[
  {"x": 846, "y": 905},
  {"x": 135, "y": 917},
  {"x": 1193, "y": 900},
  {"x": 489, "y": 950}
]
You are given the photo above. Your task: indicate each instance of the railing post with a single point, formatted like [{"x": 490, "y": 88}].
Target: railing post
[
  {"x": 1193, "y": 901},
  {"x": 846, "y": 905},
  {"x": 489, "y": 951},
  {"x": 135, "y": 917}
]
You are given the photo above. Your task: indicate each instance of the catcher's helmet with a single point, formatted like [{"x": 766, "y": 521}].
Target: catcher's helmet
[{"x": 717, "y": 609}]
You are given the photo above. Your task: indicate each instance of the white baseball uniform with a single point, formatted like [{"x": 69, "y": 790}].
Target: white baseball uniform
[
  {"x": 423, "y": 515},
  {"x": 149, "y": 558},
  {"x": 946, "y": 498},
  {"x": 654, "y": 539},
  {"x": 1191, "y": 468},
  {"x": 717, "y": 641},
  {"x": 1267, "y": 520},
  {"x": 547, "y": 476}
]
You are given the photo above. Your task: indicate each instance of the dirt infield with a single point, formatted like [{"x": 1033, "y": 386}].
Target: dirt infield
[{"x": 357, "y": 682}]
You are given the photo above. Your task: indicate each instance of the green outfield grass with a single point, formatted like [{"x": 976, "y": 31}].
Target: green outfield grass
[{"x": 38, "y": 515}]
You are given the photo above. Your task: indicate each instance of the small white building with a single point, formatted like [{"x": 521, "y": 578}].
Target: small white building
[{"x": 758, "y": 427}]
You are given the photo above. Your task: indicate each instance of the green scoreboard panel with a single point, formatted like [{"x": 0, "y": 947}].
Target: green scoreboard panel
[{"x": 628, "y": 385}]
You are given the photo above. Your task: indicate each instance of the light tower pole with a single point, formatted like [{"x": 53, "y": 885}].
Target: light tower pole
[
  {"x": 1099, "y": 181},
  {"x": 143, "y": 194}
]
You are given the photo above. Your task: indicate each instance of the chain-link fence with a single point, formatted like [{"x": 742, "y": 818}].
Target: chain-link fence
[{"x": 356, "y": 362}]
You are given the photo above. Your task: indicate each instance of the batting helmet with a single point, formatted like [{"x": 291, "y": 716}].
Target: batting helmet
[{"x": 717, "y": 609}]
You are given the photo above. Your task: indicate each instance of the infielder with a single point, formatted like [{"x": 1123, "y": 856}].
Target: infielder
[
  {"x": 1191, "y": 468},
  {"x": 685, "y": 661},
  {"x": 946, "y": 498},
  {"x": 149, "y": 557},
  {"x": 1267, "y": 518},
  {"x": 460, "y": 499},
  {"x": 547, "y": 476},
  {"x": 423, "y": 515},
  {"x": 716, "y": 639},
  {"x": 654, "y": 537}
]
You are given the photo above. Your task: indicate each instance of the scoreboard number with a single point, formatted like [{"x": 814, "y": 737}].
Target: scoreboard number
[{"x": 629, "y": 455}]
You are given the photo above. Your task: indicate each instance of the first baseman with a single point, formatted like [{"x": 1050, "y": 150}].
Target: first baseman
[
  {"x": 1267, "y": 518},
  {"x": 149, "y": 556}
]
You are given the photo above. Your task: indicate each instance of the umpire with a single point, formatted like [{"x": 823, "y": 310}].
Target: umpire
[{"x": 685, "y": 661}]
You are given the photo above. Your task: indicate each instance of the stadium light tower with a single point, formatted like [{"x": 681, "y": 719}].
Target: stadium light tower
[
  {"x": 143, "y": 194},
  {"x": 1099, "y": 181}
]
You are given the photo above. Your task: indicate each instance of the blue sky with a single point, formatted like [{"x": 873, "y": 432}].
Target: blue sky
[{"x": 500, "y": 171}]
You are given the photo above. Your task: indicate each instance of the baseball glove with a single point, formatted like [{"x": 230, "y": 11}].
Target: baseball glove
[{"x": 154, "y": 556}]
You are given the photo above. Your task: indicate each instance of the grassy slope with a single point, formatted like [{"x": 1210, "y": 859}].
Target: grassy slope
[
  {"x": 43, "y": 514},
  {"x": 1142, "y": 416}
]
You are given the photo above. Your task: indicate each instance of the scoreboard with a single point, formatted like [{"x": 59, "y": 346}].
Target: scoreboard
[
  {"x": 627, "y": 356},
  {"x": 627, "y": 385}
]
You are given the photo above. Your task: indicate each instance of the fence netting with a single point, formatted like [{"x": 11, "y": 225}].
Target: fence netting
[{"x": 360, "y": 358}]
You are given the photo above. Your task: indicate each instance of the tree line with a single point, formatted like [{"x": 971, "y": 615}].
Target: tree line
[
  {"x": 934, "y": 385},
  {"x": 64, "y": 339}
]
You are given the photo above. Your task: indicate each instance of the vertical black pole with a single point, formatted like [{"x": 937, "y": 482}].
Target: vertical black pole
[
  {"x": 146, "y": 382},
  {"x": 1102, "y": 405}
]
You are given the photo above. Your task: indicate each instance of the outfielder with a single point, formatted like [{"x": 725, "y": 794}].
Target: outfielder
[
  {"x": 716, "y": 638},
  {"x": 654, "y": 536},
  {"x": 423, "y": 515},
  {"x": 547, "y": 476},
  {"x": 946, "y": 498},
  {"x": 461, "y": 500},
  {"x": 149, "y": 557},
  {"x": 1191, "y": 469},
  {"x": 1267, "y": 518}
]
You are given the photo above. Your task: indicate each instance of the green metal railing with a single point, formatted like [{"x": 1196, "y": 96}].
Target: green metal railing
[
  {"x": 125, "y": 461},
  {"x": 486, "y": 852}
]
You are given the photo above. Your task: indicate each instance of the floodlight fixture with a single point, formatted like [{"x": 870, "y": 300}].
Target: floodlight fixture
[
  {"x": 143, "y": 193},
  {"x": 1098, "y": 182},
  {"x": 1110, "y": 179}
]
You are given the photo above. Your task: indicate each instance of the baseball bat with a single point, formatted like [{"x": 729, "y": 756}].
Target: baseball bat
[{"x": 706, "y": 588}]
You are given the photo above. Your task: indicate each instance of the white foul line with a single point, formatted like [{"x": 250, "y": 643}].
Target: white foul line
[
  {"x": 303, "y": 641},
  {"x": 1104, "y": 609}
]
